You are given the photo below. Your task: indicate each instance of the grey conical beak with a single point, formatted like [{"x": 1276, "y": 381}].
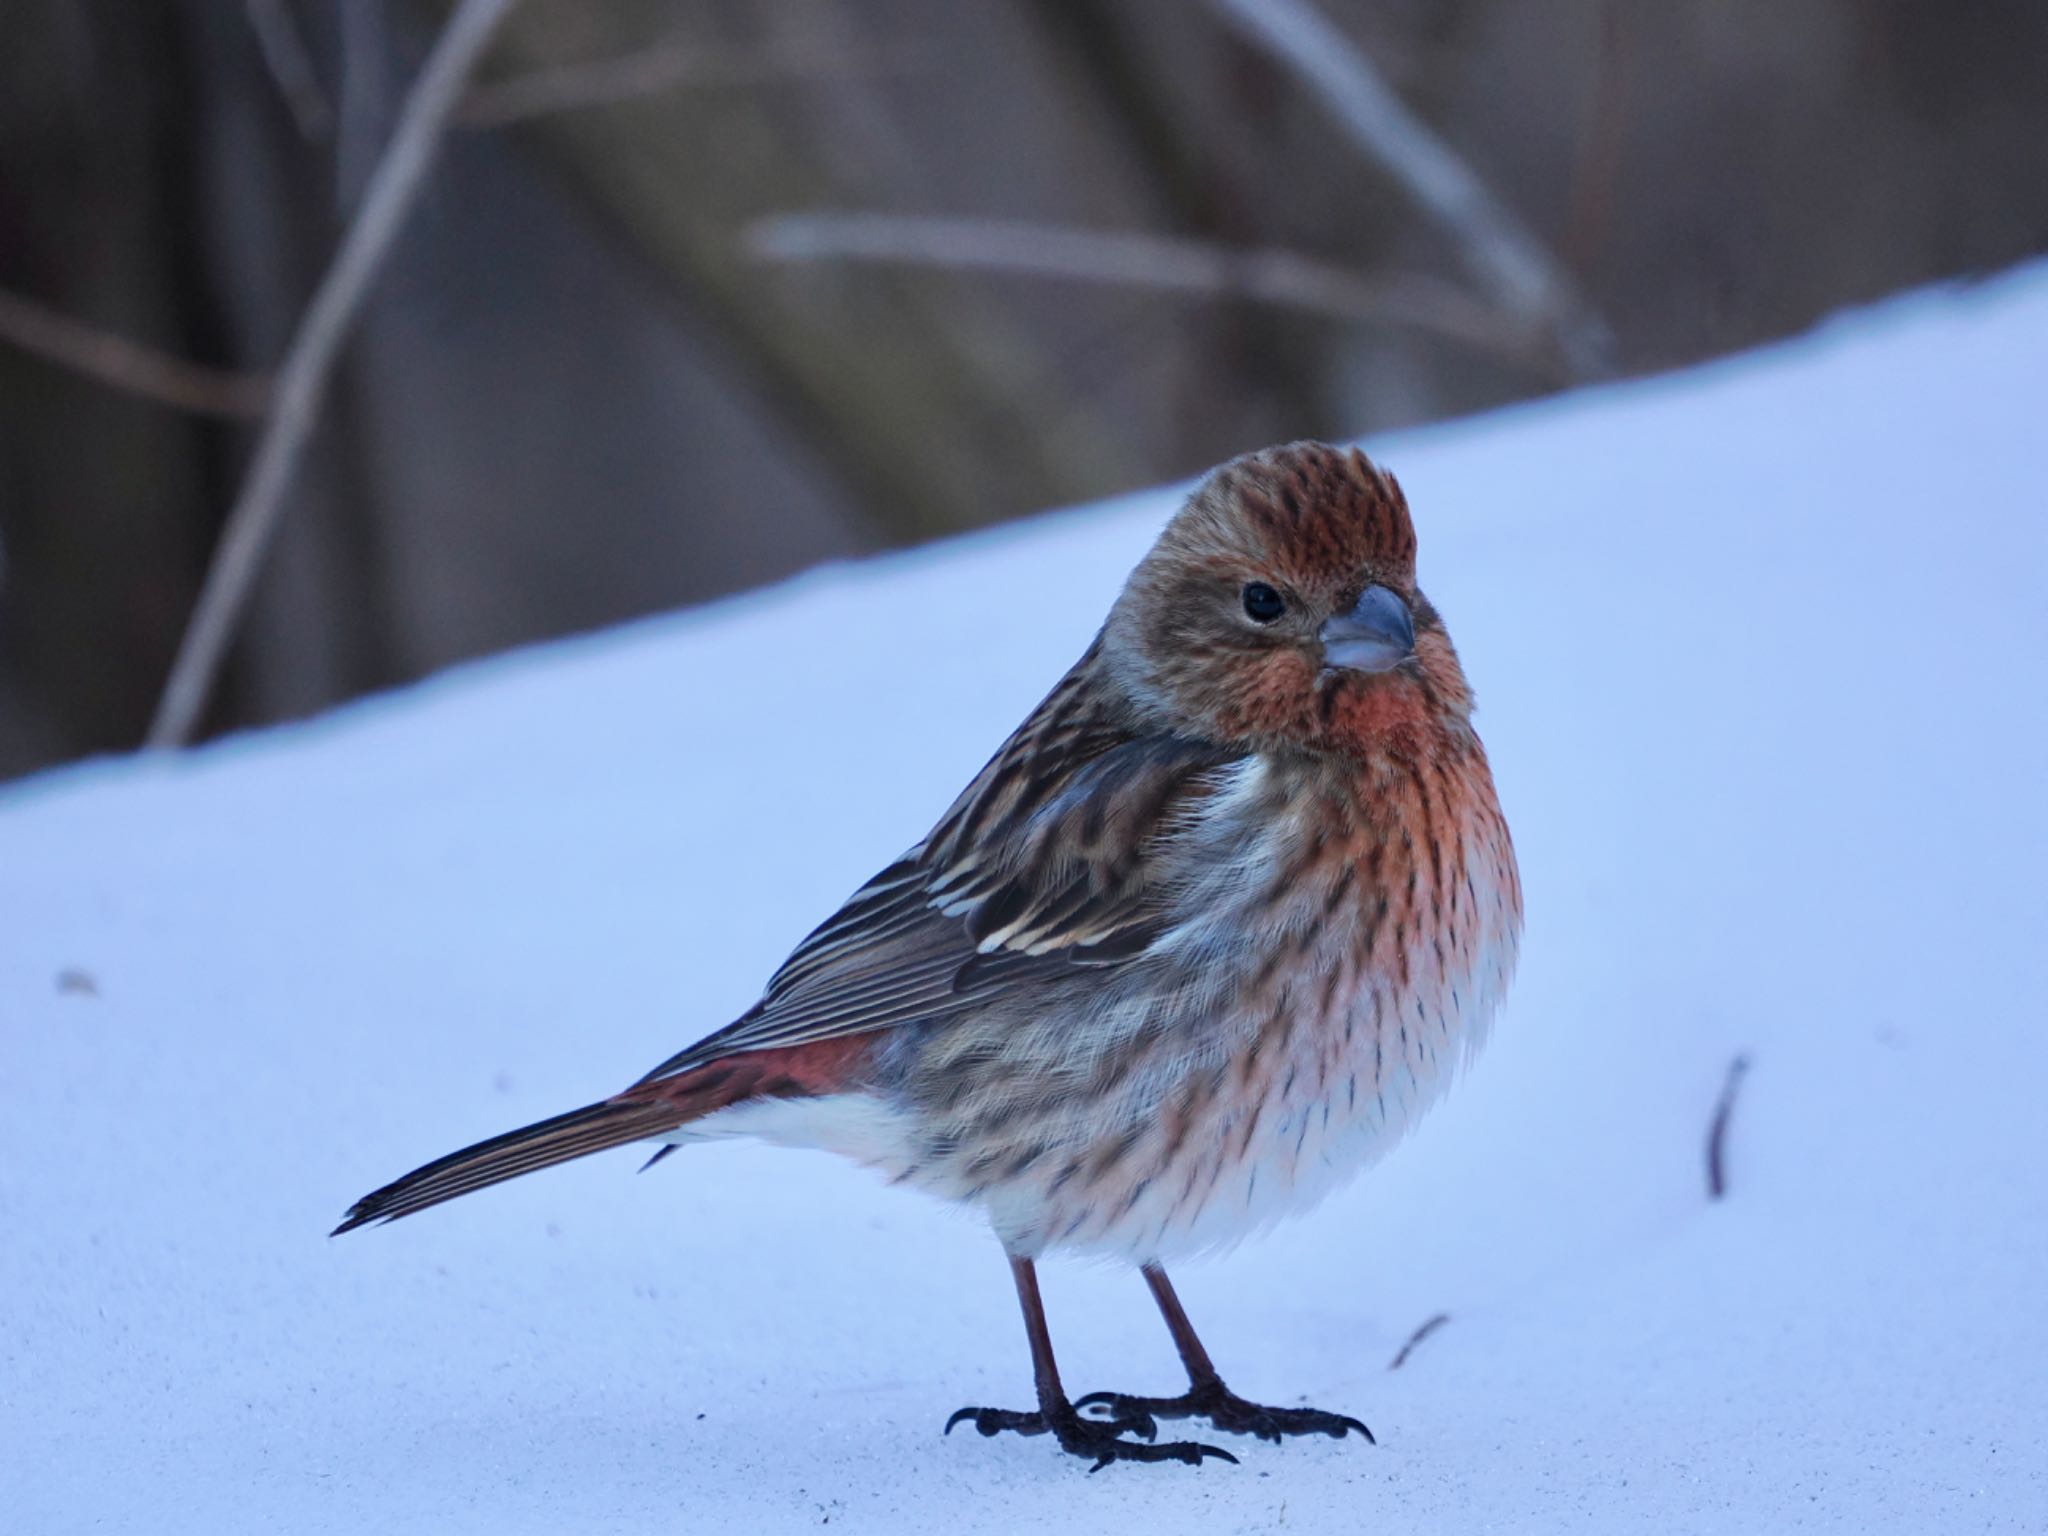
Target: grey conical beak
[{"x": 1375, "y": 636}]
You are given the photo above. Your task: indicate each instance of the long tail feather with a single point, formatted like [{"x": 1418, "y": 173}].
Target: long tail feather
[
  {"x": 642, "y": 1112},
  {"x": 580, "y": 1132}
]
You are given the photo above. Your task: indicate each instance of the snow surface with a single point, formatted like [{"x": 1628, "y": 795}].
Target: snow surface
[{"x": 1760, "y": 654}]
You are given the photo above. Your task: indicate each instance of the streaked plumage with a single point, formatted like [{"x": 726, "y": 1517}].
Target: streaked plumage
[{"x": 1201, "y": 940}]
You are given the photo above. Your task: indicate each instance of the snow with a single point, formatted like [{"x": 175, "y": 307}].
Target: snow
[{"x": 1759, "y": 651}]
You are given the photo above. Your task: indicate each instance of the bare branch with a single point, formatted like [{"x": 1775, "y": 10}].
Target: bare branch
[
  {"x": 1506, "y": 259},
  {"x": 602, "y": 82},
  {"x": 1430, "y": 1326},
  {"x": 302, "y": 381},
  {"x": 1596, "y": 167},
  {"x": 1262, "y": 275},
  {"x": 291, "y": 66},
  {"x": 127, "y": 365},
  {"x": 1717, "y": 1130},
  {"x": 366, "y": 92}
]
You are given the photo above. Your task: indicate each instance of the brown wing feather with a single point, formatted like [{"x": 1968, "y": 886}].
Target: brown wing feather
[
  {"x": 593, "y": 1128},
  {"x": 1054, "y": 856}
]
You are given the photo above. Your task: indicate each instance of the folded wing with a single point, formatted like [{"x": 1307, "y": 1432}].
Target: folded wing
[{"x": 1067, "y": 850}]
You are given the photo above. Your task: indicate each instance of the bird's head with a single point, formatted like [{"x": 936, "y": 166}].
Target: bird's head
[{"x": 1279, "y": 609}]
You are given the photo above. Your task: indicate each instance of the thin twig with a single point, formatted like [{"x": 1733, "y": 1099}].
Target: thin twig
[
  {"x": 302, "y": 381},
  {"x": 74, "y": 981},
  {"x": 366, "y": 90},
  {"x": 1597, "y": 166},
  {"x": 128, "y": 365},
  {"x": 1416, "y": 1338},
  {"x": 1717, "y": 1132},
  {"x": 1502, "y": 255},
  {"x": 1263, "y": 275},
  {"x": 603, "y": 82},
  {"x": 291, "y": 66}
]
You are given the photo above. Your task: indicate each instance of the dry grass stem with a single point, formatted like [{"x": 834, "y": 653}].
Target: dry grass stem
[
  {"x": 1503, "y": 256},
  {"x": 128, "y": 365},
  {"x": 301, "y": 382},
  {"x": 1282, "y": 278}
]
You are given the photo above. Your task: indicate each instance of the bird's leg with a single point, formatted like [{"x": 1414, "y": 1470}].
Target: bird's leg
[
  {"x": 1206, "y": 1396},
  {"x": 1095, "y": 1438}
]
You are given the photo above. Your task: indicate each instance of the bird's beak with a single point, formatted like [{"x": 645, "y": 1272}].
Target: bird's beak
[{"x": 1377, "y": 635}]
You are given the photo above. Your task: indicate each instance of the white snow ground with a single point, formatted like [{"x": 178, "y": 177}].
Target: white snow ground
[{"x": 1760, "y": 652}]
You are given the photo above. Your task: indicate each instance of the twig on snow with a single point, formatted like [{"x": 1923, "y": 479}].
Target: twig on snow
[
  {"x": 1416, "y": 1338},
  {"x": 1717, "y": 1131},
  {"x": 302, "y": 381}
]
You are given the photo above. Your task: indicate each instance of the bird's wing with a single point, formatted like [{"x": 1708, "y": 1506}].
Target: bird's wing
[{"x": 1065, "y": 850}]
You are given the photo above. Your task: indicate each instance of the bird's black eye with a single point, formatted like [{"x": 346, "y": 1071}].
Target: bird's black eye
[{"x": 1262, "y": 604}]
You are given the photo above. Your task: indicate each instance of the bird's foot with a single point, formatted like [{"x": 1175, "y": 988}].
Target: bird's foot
[
  {"x": 1224, "y": 1409},
  {"x": 1099, "y": 1439}
]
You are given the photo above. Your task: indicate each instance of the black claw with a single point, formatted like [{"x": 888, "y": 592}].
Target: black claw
[
  {"x": 993, "y": 1421},
  {"x": 1096, "y": 1438},
  {"x": 1227, "y": 1411},
  {"x": 1344, "y": 1422},
  {"x": 1187, "y": 1451}
]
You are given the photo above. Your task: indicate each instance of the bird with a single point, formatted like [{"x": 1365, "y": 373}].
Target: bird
[{"x": 1202, "y": 940}]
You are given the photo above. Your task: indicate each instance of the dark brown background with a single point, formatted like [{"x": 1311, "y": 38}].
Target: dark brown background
[{"x": 577, "y": 396}]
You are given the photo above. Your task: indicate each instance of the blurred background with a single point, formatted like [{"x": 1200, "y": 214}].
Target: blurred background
[{"x": 700, "y": 292}]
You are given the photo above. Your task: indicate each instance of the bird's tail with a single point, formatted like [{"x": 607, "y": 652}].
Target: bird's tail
[
  {"x": 651, "y": 1108},
  {"x": 593, "y": 1128}
]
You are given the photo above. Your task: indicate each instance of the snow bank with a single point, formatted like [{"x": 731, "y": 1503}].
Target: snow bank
[{"x": 1760, "y": 654}]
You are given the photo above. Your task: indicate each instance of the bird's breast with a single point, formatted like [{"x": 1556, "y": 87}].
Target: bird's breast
[
  {"x": 1394, "y": 915},
  {"x": 1332, "y": 973}
]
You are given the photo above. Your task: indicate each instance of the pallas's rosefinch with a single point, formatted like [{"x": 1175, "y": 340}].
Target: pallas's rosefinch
[{"x": 1202, "y": 939}]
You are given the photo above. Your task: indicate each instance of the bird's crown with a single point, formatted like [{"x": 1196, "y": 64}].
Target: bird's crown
[{"x": 1315, "y": 509}]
